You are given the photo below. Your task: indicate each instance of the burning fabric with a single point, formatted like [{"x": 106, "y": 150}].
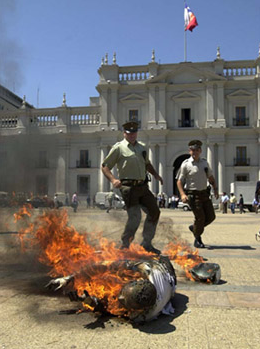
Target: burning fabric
[
  {"x": 132, "y": 283},
  {"x": 140, "y": 299}
]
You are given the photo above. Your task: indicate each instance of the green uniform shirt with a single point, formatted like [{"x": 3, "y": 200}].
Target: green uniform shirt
[
  {"x": 194, "y": 173},
  {"x": 131, "y": 160}
]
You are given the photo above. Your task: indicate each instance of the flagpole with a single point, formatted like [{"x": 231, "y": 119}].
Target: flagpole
[
  {"x": 185, "y": 40},
  {"x": 185, "y": 46}
]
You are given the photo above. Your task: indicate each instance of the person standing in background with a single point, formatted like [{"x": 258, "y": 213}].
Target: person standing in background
[
  {"x": 233, "y": 201},
  {"x": 224, "y": 201},
  {"x": 75, "y": 202},
  {"x": 241, "y": 204}
]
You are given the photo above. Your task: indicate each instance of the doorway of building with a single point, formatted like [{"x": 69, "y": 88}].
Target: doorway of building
[
  {"x": 41, "y": 185},
  {"x": 176, "y": 165}
]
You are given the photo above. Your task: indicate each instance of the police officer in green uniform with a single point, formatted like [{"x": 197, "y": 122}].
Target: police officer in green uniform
[
  {"x": 192, "y": 180},
  {"x": 132, "y": 162}
]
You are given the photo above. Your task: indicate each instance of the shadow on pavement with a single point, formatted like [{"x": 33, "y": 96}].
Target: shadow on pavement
[
  {"x": 217, "y": 247},
  {"x": 164, "y": 322},
  {"x": 161, "y": 325}
]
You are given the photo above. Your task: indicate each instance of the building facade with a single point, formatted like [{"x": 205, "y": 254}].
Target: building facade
[{"x": 61, "y": 149}]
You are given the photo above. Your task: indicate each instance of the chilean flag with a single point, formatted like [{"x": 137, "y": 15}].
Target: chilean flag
[{"x": 190, "y": 21}]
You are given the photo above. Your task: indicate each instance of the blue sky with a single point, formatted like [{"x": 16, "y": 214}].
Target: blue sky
[{"x": 56, "y": 46}]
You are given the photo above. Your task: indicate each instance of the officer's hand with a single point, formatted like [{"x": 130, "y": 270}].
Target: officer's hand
[
  {"x": 184, "y": 198},
  {"x": 116, "y": 183}
]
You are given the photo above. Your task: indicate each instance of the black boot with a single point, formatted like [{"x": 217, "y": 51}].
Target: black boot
[
  {"x": 197, "y": 244},
  {"x": 152, "y": 249},
  {"x": 200, "y": 241}
]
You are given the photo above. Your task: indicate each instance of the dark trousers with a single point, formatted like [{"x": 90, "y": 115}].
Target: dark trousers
[
  {"x": 203, "y": 211},
  {"x": 137, "y": 198}
]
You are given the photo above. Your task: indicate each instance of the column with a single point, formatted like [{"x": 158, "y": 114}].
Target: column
[
  {"x": 102, "y": 178},
  {"x": 113, "y": 95},
  {"x": 221, "y": 167},
  {"x": 210, "y": 154},
  {"x": 152, "y": 160},
  {"x": 104, "y": 107},
  {"x": 210, "y": 105},
  {"x": 162, "y": 166},
  {"x": 162, "y": 105},
  {"x": 61, "y": 171},
  {"x": 220, "y": 101},
  {"x": 152, "y": 107}
]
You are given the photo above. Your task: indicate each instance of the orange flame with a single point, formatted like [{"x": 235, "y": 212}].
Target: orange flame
[
  {"x": 67, "y": 252},
  {"x": 98, "y": 266},
  {"x": 184, "y": 256}
]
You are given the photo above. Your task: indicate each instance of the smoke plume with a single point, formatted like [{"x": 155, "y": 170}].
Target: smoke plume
[{"x": 11, "y": 75}]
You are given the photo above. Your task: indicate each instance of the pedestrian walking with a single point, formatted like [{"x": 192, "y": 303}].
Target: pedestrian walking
[
  {"x": 255, "y": 204},
  {"x": 241, "y": 204},
  {"x": 56, "y": 201},
  {"x": 132, "y": 162},
  {"x": 67, "y": 200},
  {"x": 195, "y": 172},
  {"x": 224, "y": 201},
  {"x": 88, "y": 201},
  {"x": 257, "y": 191},
  {"x": 75, "y": 202},
  {"x": 233, "y": 201}
]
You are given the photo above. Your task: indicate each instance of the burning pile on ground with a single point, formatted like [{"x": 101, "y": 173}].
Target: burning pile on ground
[{"x": 99, "y": 269}]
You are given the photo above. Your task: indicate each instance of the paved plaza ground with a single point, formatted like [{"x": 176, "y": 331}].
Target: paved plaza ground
[{"x": 207, "y": 316}]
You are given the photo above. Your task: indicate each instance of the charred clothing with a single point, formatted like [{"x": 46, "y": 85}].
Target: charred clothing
[{"x": 158, "y": 273}]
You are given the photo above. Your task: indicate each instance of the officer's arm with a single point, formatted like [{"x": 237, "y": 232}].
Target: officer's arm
[
  {"x": 108, "y": 174},
  {"x": 215, "y": 188},
  {"x": 184, "y": 197},
  {"x": 150, "y": 169}
]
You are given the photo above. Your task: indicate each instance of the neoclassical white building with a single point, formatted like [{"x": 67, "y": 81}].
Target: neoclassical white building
[{"x": 44, "y": 151}]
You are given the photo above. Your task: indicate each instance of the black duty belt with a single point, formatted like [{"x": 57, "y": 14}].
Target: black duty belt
[
  {"x": 132, "y": 182},
  {"x": 196, "y": 192}
]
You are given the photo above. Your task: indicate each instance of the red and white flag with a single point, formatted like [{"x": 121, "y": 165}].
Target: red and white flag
[{"x": 190, "y": 21}]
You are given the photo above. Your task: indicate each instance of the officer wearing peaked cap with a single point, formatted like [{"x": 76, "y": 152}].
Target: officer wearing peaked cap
[
  {"x": 130, "y": 127},
  {"x": 131, "y": 159},
  {"x": 195, "y": 172},
  {"x": 195, "y": 144}
]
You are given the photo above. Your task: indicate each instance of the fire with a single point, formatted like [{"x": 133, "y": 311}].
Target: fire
[
  {"x": 97, "y": 265},
  {"x": 184, "y": 256},
  {"x": 23, "y": 211}
]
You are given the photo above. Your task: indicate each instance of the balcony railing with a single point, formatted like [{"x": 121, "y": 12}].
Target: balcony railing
[
  {"x": 241, "y": 122},
  {"x": 235, "y": 69},
  {"x": 186, "y": 123},
  {"x": 139, "y": 73},
  {"x": 241, "y": 162},
  {"x": 49, "y": 118},
  {"x": 8, "y": 122},
  {"x": 85, "y": 164}
]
